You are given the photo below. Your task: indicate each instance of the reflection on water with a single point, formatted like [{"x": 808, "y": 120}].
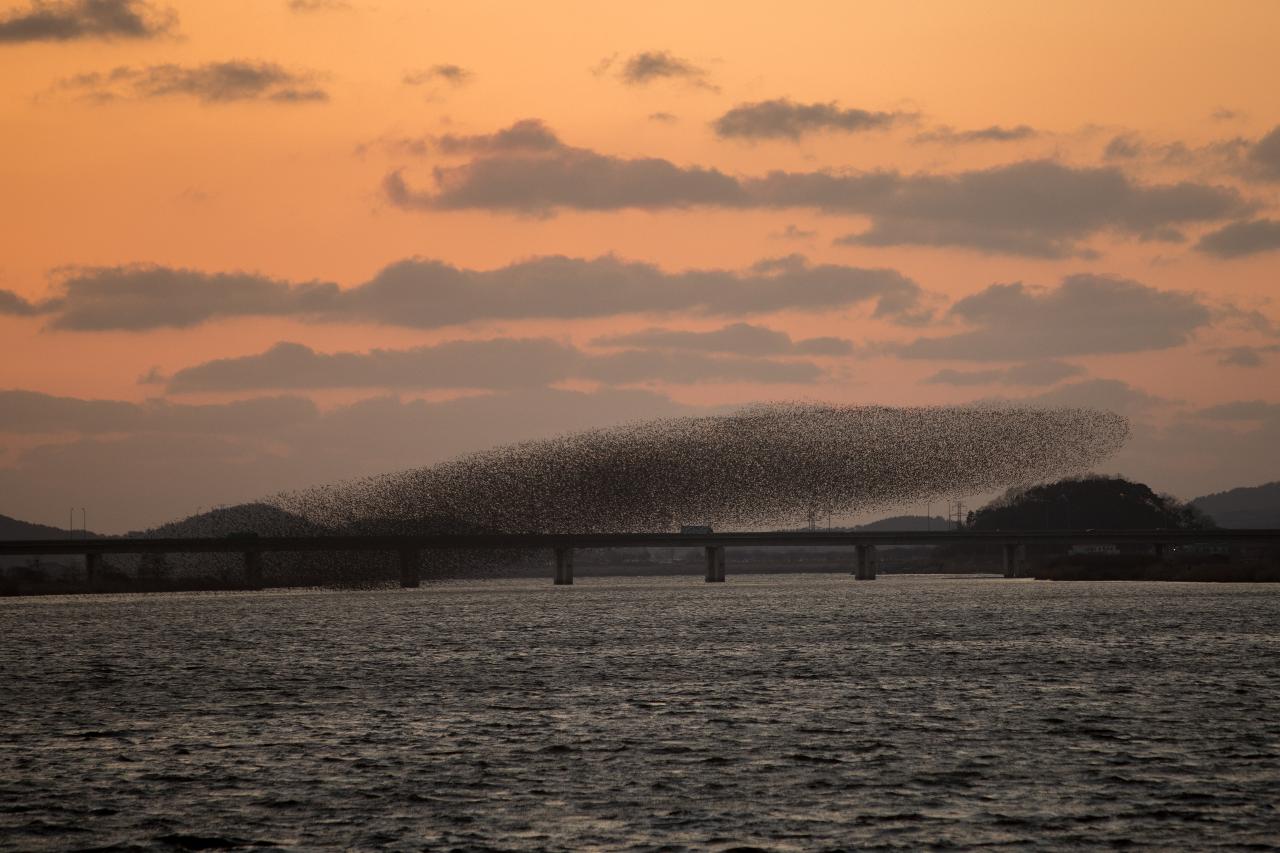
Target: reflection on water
[{"x": 784, "y": 712}]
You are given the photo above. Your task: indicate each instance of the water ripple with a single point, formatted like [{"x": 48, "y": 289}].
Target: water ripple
[{"x": 771, "y": 713}]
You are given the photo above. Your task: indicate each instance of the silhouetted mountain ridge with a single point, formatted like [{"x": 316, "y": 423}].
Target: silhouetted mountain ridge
[
  {"x": 267, "y": 520},
  {"x": 260, "y": 518},
  {"x": 13, "y": 528},
  {"x": 909, "y": 523},
  {"x": 1092, "y": 502},
  {"x": 1246, "y": 506}
]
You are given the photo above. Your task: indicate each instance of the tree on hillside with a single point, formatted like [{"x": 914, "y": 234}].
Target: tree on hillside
[{"x": 1097, "y": 502}]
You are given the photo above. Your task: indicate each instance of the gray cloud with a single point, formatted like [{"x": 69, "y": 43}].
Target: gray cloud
[
  {"x": 995, "y": 133},
  {"x": 1222, "y": 155},
  {"x": 318, "y": 5},
  {"x": 1163, "y": 234},
  {"x": 1038, "y": 208},
  {"x": 86, "y": 19},
  {"x": 1264, "y": 156},
  {"x": 210, "y": 83},
  {"x": 498, "y": 363},
  {"x": 1242, "y": 410},
  {"x": 539, "y": 180},
  {"x": 782, "y": 118},
  {"x": 1242, "y": 238},
  {"x": 631, "y": 366},
  {"x": 31, "y": 412},
  {"x": 14, "y": 305},
  {"x": 1252, "y": 159},
  {"x": 501, "y": 363},
  {"x": 448, "y": 72},
  {"x": 1086, "y": 314},
  {"x": 737, "y": 338},
  {"x": 1044, "y": 372},
  {"x": 526, "y": 135},
  {"x": 1123, "y": 146},
  {"x": 429, "y": 294},
  {"x": 1243, "y": 356},
  {"x": 648, "y": 66},
  {"x": 134, "y": 298}
]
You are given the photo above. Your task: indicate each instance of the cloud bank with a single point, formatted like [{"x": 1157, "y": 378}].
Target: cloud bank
[
  {"x": 1035, "y": 208},
  {"x": 1240, "y": 239},
  {"x": 210, "y": 83},
  {"x": 782, "y": 118},
  {"x": 15, "y": 306},
  {"x": 498, "y": 363},
  {"x": 1245, "y": 355},
  {"x": 995, "y": 133},
  {"x": 31, "y": 412},
  {"x": 737, "y": 338},
  {"x": 427, "y": 294},
  {"x": 86, "y": 19},
  {"x": 650, "y": 66},
  {"x": 1085, "y": 314},
  {"x": 453, "y": 74},
  {"x": 1046, "y": 372},
  {"x": 318, "y": 5},
  {"x": 1264, "y": 156}
]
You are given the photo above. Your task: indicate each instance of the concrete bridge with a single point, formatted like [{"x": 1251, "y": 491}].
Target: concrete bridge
[{"x": 411, "y": 548}]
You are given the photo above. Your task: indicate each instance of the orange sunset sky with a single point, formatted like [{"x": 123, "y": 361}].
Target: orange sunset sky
[{"x": 258, "y": 245}]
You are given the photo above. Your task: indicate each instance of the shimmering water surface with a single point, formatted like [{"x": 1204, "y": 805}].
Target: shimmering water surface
[{"x": 778, "y": 712}]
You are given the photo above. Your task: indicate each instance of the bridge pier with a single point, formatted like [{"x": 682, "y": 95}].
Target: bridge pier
[
  {"x": 253, "y": 569},
  {"x": 866, "y": 569},
  {"x": 1015, "y": 561},
  {"x": 92, "y": 569},
  {"x": 715, "y": 563},
  {"x": 1161, "y": 552},
  {"x": 409, "y": 571},
  {"x": 564, "y": 566}
]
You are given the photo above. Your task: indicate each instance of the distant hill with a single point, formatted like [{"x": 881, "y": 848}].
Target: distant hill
[
  {"x": 267, "y": 520},
  {"x": 909, "y": 523},
  {"x": 12, "y": 528},
  {"x": 263, "y": 519},
  {"x": 1249, "y": 506},
  {"x": 1103, "y": 503}
]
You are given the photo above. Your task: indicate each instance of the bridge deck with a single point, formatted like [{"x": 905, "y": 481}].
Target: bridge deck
[{"x": 536, "y": 541}]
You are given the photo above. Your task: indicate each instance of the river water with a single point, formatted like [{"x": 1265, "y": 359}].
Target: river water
[{"x": 776, "y": 712}]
